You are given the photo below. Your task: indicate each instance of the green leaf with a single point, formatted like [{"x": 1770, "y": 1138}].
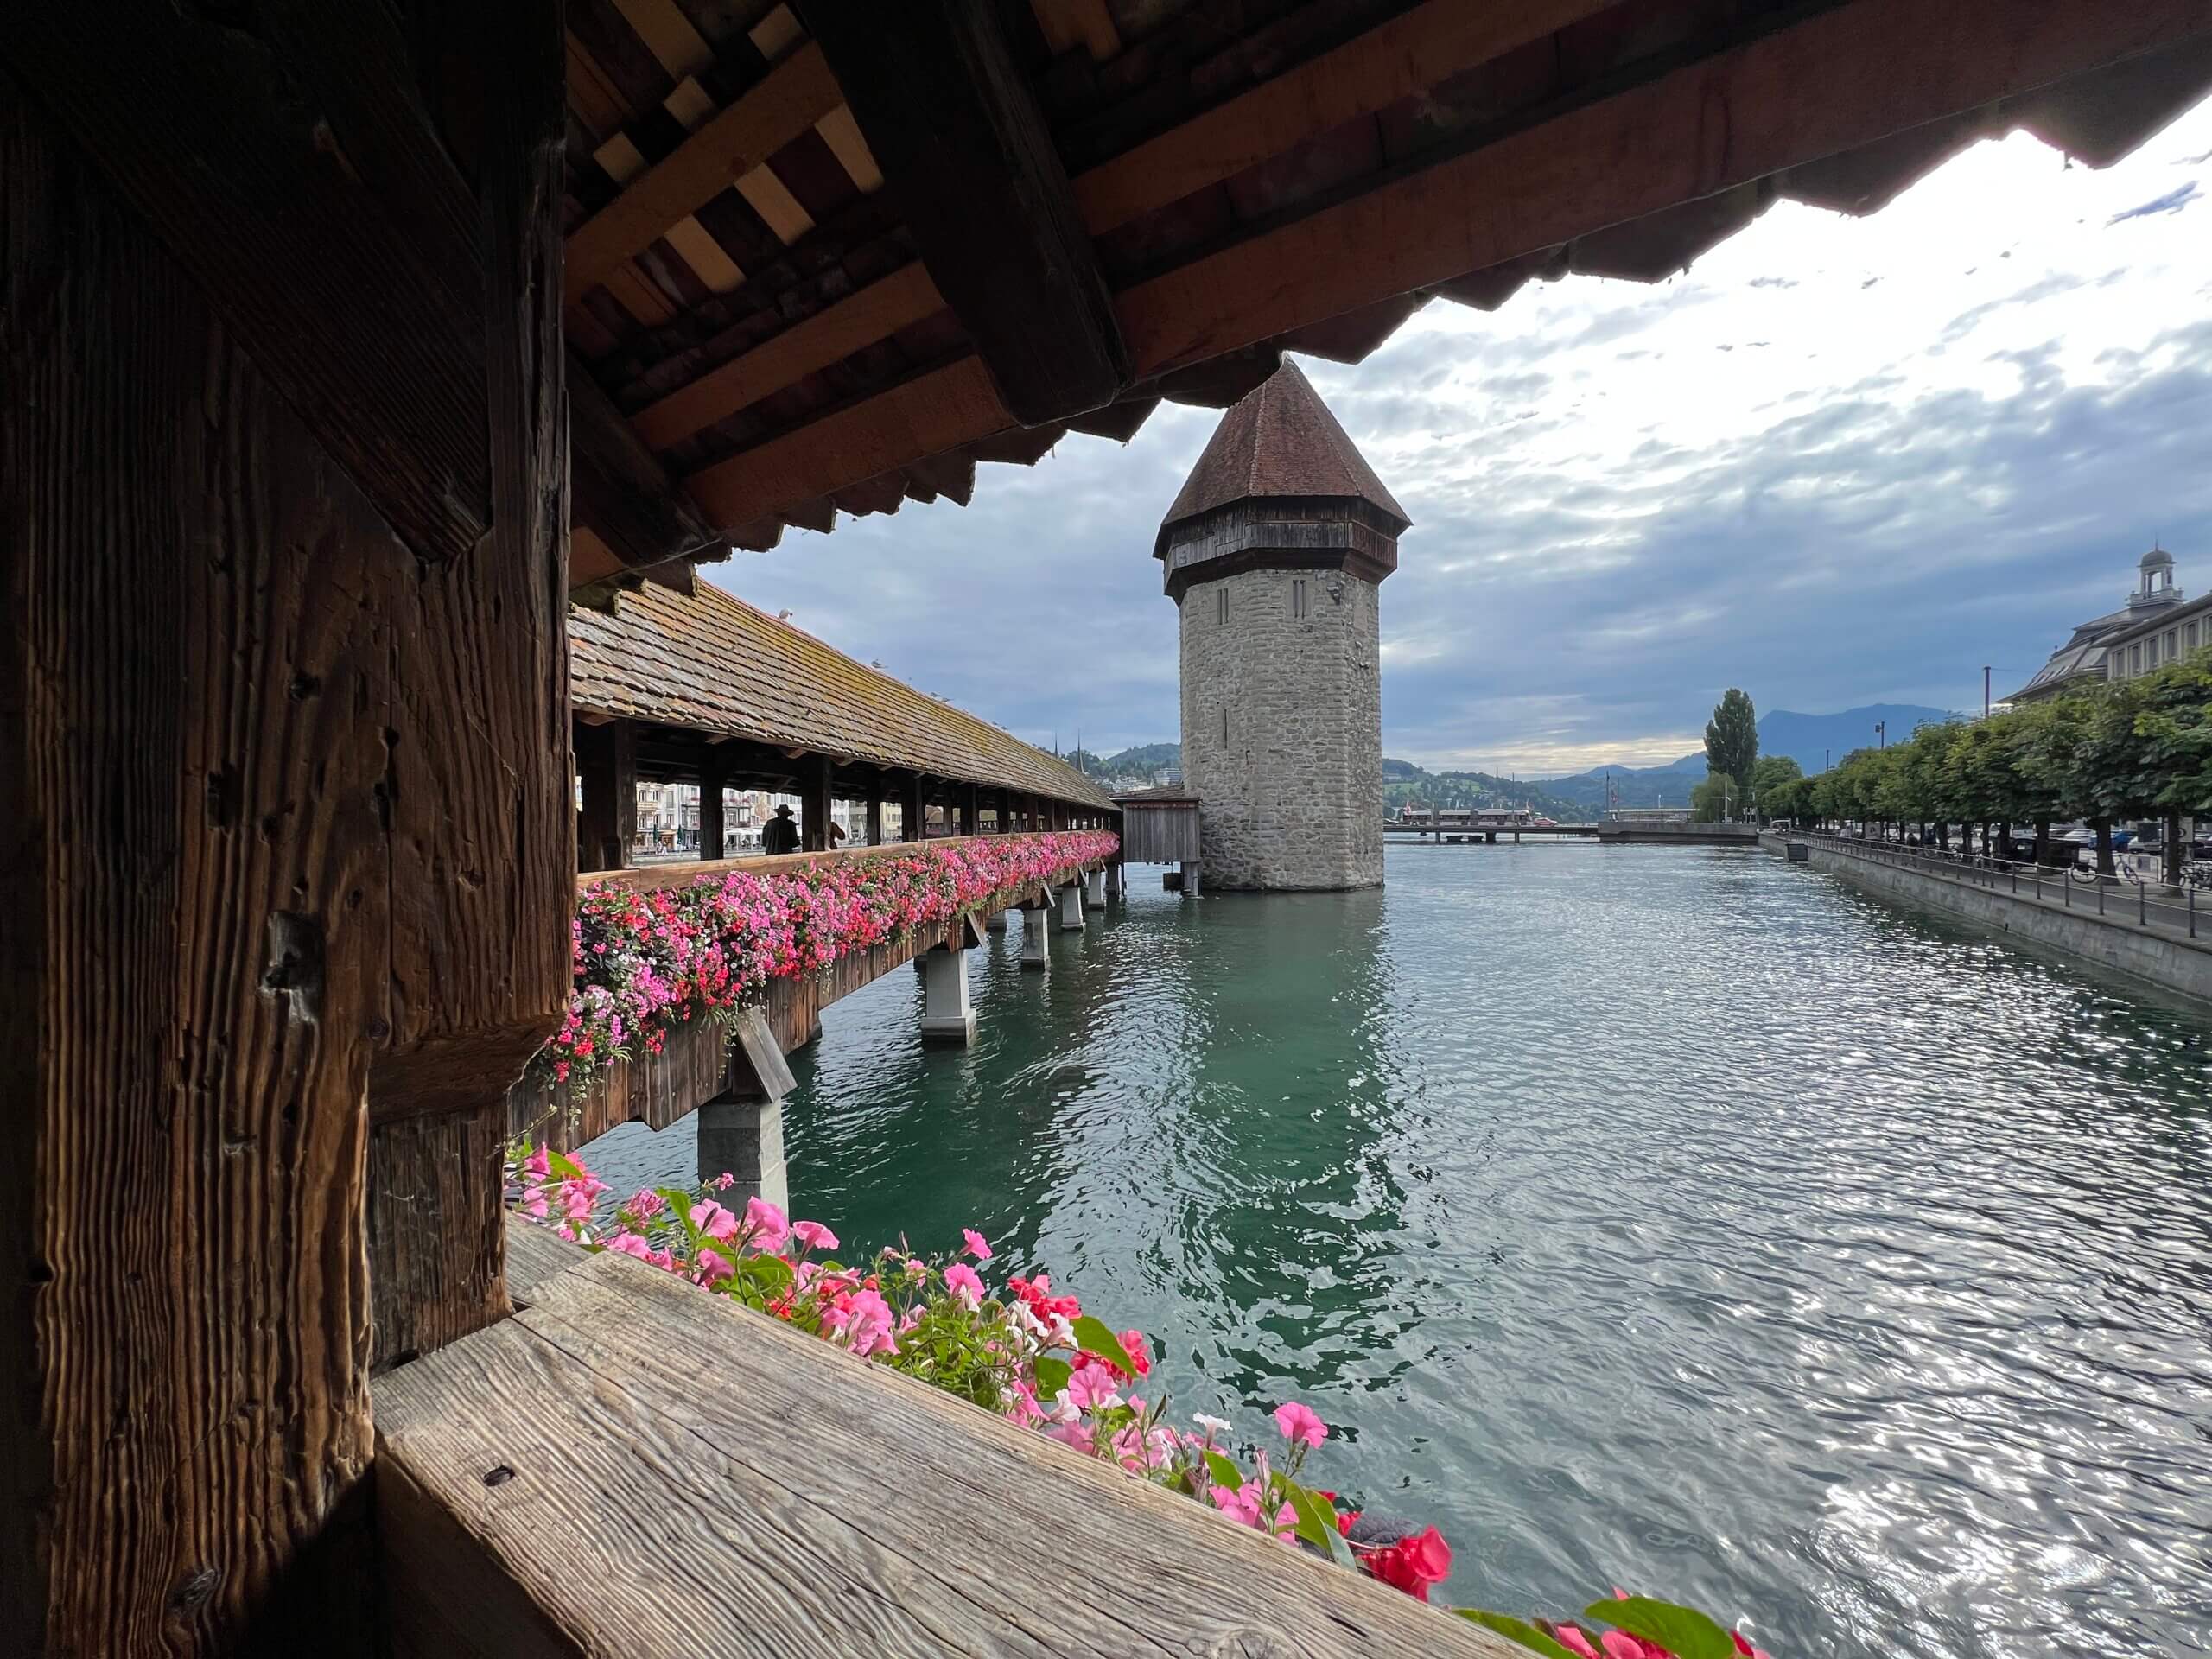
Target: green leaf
[
  {"x": 1316, "y": 1522},
  {"x": 1683, "y": 1631},
  {"x": 1224, "y": 1472},
  {"x": 563, "y": 1165},
  {"x": 1516, "y": 1629},
  {"x": 1051, "y": 1377},
  {"x": 1093, "y": 1336}
]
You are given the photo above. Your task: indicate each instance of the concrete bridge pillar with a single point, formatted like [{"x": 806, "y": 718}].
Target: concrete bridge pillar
[
  {"x": 1071, "y": 906},
  {"x": 1035, "y": 957},
  {"x": 1118, "y": 881},
  {"x": 1094, "y": 893},
  {"x": 995, "y": 922},
  {"x": 946, "y": 1016},
  {"x": 741, "y": 1132},
  {"x": 1190, "y": 879}
]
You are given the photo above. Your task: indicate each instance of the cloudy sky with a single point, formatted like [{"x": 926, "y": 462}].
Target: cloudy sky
[{"x": 1838, "y": 462}]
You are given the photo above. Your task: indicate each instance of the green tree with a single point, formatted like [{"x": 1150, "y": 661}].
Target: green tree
[
  {"x": 1731, "y": 739},
  {"x": 1770, "y": 772}
]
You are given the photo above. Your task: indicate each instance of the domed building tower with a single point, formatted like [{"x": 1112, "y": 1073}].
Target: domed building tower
[{"x": 1273, "y": 552}]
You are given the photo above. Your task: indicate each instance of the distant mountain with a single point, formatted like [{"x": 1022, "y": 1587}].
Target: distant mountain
[
  {"x": 1403, "y": 781},
  {"x": 1805, "y": 739}
]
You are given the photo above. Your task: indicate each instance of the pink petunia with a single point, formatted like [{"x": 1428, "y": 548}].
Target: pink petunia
[
  {"x": 814, "y": 1235},
  {"x": 1298, "y": 1423},
  {"x": 765, "y": 1223},
  {"x": 963, "y": 1282},
  {"x": 713, "y": 1220},
  {"x": 978, "y": 1246}
]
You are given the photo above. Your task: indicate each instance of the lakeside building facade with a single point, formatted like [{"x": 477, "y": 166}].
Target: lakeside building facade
[
  {"x": 1274, "y": 552},
  {"x": 2157, "y": 626}
]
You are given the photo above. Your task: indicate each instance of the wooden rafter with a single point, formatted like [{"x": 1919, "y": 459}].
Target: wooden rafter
[
  {"x": 966, "y": 153},
  {"x": 1399, "y": 59},
  {"x": 834, "y": 333},
  {"x": 622, "y": 492},
  {"x": 1835, "y": 81},
  {"x": 797, "y": 93}
]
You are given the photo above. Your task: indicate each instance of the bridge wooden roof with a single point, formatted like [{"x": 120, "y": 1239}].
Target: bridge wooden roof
[
  {"x": 829, "y": 272},
  {"x": 708, "y": 662}
]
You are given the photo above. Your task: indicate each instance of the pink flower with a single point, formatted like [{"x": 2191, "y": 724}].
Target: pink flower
[
  {"x": 713, "y": 1220},
  {"x": 1132, "y": 1344},
  {"x": 1091, "y": 1388},
  {"x": 978, "y": 1246},
  {"x": 1574, "y": 1641},
  {"x": 962, "y": 1281},
  {"x": 713, "y": 1269},
  {"x": 765, "y": 1223},
  {"x": 1299, "y": 1424},
  {"x": 631, "y": 1244},
  {"x": 814, "y": 1235}
]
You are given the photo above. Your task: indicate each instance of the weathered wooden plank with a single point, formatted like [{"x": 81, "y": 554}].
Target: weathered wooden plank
[
  {"x": 831, "y": 335},
  {"x": 346, "y": 309},
  {"x": 968, "y": 157},
  {"x": 1838, "y": 80},
  {"x": 750, "y": 1517},
  {"x": 1405, "y": 55},
  {"x": 797, "y": 93},
  {"x": 193, "y": 670}
]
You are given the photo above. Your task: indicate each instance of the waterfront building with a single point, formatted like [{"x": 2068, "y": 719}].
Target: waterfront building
[
  {"x": 2156, "y": 625},
  {"x": 1274, "y": 552}
]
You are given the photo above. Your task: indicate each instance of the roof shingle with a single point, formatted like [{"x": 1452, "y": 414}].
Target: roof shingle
[
  {"x": 709, "y": 661},
  {"x": 1281, "y": 439}
]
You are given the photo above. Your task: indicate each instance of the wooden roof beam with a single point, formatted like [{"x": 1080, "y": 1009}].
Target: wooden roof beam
[
  {"x": 972, "y": 165},
  {"x": 1842, "y": 78},
  {"x": 1409, "y": 54},
  {"x": 794, "y": 95},
  {"x": 353, "y": 295},
  {"x": 622, "y": 493}
]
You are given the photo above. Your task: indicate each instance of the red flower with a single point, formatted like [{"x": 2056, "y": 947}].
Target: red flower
[{"x": 1413, "y": 1564}]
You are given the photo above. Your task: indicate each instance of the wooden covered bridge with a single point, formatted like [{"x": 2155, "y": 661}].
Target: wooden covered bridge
[{"x": 341, "y": 343}]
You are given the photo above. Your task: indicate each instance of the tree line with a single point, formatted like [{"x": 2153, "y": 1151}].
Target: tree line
[{"x": 2122, "y": 751}]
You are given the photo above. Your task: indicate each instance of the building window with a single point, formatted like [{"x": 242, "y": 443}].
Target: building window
[
  {"x": 2172, "y": 637},
  {"x": 1297, "y": 597},
  {"x": 2135, "y": 659},
  {"x": 2192, "y": 636},
  {"x": 1221, "y": 599}
]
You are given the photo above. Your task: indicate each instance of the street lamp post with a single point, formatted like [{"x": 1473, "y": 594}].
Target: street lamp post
[{"x": 1984, "y": 690}]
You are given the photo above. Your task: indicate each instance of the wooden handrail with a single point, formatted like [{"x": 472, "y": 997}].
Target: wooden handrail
[{"x": 644, "y": 877}]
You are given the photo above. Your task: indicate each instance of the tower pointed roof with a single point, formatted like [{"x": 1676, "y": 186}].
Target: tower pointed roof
[{"x": 1280, "y": 440}]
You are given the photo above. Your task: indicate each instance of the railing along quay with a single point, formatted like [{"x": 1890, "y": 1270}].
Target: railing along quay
[{"x": 2174, "y": 911}]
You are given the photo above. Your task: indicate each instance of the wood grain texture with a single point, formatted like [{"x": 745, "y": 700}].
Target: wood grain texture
[
  {"x": 193, "y": 666},
  {"x": 1398, "y": 59},
  {"x": 622, "y": 493},
  {"x": 347, "y": 310},
  {"x": 1842, "y": 78},
  {"x": 478, "y": 791},
  {"x": 806, "y": 1503},
  {"x": 968, "y": 157},
  {"x": 797, "y": 93}
]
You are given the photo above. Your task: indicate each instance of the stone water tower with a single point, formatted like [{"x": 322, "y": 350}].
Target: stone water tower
[{"x": 1273, "y": 553}]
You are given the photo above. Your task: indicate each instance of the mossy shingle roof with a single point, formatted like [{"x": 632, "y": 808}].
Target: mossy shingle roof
[{"x": 709, "y": 661}]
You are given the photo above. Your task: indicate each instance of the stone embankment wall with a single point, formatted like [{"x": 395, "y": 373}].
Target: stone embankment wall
[
  {"x": 2114, "y": 942},
  {"x": 1282, "y": 730}
]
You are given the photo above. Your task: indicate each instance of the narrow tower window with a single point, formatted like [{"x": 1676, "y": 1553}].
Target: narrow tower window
[
  {"x": 1297, "y": 597},
  {"x": 1224, "y": 728},
  {"x": 1221, "y": 599}
]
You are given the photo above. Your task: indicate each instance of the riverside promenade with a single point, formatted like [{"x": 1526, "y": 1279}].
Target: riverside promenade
[{"x": 2161, "y": 935}]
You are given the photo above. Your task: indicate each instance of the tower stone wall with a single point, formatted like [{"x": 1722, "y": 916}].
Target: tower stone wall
[
  {"x": 1282, "y": 728},
  {"x": 1273, "y": 553}
]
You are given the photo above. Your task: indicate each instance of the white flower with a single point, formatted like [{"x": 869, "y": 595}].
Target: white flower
[{"x": 1212, "y": 1425}]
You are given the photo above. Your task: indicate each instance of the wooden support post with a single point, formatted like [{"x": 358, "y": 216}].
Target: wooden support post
[
  {"x": 910, "y": 807},
  {"x": 714, "y": 835},
  {"x": 971, "y": 810},
  {"x": 814, "y": 803},
  {"x": 606, "y": 766},
  {"x": 287, "y": 836},
  {"x": 874, "y": 815}
]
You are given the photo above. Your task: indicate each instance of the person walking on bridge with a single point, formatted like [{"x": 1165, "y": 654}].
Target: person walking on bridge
[{"x": 779, "y": 833}]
